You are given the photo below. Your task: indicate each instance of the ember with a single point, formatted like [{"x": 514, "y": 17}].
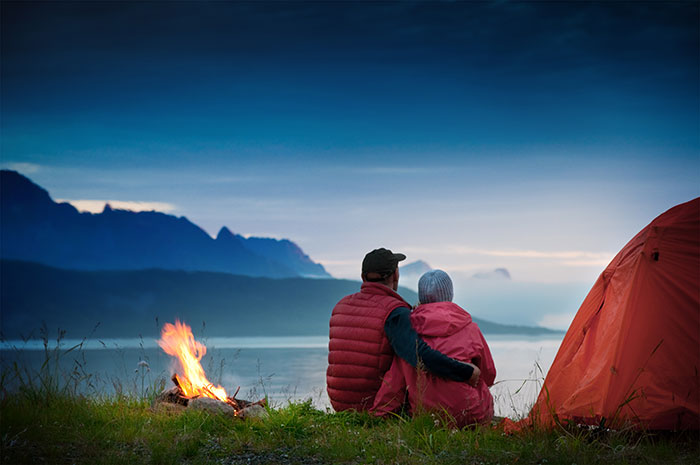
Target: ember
[{"x": 177, "y": 340}]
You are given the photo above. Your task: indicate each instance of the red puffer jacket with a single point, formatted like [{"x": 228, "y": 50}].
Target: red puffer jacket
[
  {"x": 448, "y": 328},
  {"x": 359, "y": 352}
]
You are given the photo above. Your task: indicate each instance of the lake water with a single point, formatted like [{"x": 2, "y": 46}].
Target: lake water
[{"x": 283, "y": 368}]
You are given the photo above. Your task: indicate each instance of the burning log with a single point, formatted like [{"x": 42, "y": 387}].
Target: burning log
[
  {"x": 240, "y": 408},
  {"x": 193, "y": 389},
  {"x": 173, "y": 396}
]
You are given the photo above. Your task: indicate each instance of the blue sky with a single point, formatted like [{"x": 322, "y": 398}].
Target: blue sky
[{"x": 536, "y": 136}]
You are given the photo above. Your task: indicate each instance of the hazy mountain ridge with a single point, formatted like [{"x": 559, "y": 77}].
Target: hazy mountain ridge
[
  {"x": 413, "y": 269},
  {"x": 497, "y": 273},
  {"x": 418, "y": 268},
  {"x": 35, "y": 228},
  {"x": 292, "y": 254},
  {"x": 127, "y": 303}
]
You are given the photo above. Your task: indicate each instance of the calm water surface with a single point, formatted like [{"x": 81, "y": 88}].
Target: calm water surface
[{"x": 283, "y": 368}]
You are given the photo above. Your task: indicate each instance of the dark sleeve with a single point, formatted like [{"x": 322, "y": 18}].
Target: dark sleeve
[{"x": 408, "y": 345}]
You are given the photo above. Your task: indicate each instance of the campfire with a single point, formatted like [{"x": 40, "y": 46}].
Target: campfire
[{"x": 192, "y": 388}]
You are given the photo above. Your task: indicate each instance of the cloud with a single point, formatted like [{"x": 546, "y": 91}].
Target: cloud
[
  {"x": 96, "y": 206},
  {"x": 557, "y": 320},
  {"x": 332, "y": 262},
  {"x": 399, "y": 170},
  {"x": 342, "y": 269},
  {"x": 562, "y": 255},
  {"x": 24, "y": 168},
  {"x": 572, "y": 257},
  {"x": 595, "y": 263}
]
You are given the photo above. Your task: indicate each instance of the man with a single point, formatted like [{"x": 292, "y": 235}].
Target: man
[{"x": 366, "y": 330}]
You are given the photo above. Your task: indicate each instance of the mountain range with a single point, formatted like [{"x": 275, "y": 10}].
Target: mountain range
[
  {"x": 36, "y": 228},
  {"x": 126, "y": 270},
  {"x": 138, "y": 302}
]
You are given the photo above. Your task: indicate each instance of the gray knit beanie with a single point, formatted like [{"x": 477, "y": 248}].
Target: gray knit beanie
[{"x": 435, "y": 286}]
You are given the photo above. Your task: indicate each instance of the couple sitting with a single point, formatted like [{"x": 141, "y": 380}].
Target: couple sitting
[{"x": 379, "y": 348}]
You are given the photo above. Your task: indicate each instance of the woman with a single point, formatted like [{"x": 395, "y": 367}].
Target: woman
[{"x": 446, "y": 327}]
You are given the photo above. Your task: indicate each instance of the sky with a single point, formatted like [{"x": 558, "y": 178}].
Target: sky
[{"x": 535, "y": 136}]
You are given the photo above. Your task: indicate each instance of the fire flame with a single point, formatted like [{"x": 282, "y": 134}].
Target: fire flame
[{"x": 177, "y": 340}]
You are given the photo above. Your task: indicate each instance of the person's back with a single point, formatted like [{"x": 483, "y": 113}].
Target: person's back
[
  {"x": 448, "y": 328},
  {"x": 370, "y": 327},
  {"x": 359, "y": 351}
]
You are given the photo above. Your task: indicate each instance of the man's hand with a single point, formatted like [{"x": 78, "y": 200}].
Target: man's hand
[{"x": 474, "y": 380}]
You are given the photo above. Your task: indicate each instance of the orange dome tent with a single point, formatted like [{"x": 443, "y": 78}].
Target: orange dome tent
[{"x": 632, "y": 353}]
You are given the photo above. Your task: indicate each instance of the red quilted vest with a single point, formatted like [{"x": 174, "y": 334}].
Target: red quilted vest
[{"x": 359, "y": 352}]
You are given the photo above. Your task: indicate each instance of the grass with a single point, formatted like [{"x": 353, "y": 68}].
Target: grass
[
  {"x": 64, "y": 428},
  {"x": 47, "y": 418}
]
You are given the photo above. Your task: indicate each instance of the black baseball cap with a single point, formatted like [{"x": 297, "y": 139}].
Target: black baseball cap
[{"x": 381, "y": 261}]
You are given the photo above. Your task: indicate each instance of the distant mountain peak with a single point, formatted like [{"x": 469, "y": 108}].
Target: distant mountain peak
[
  {"x": 497, "y": 273},
  {"x": 225, "y": 234},
  {"x": 415, "y": 268},
  {"x": 18, "y": 189}
]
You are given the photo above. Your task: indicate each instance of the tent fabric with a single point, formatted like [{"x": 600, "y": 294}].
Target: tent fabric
[{"x": 632, "y": 353}]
